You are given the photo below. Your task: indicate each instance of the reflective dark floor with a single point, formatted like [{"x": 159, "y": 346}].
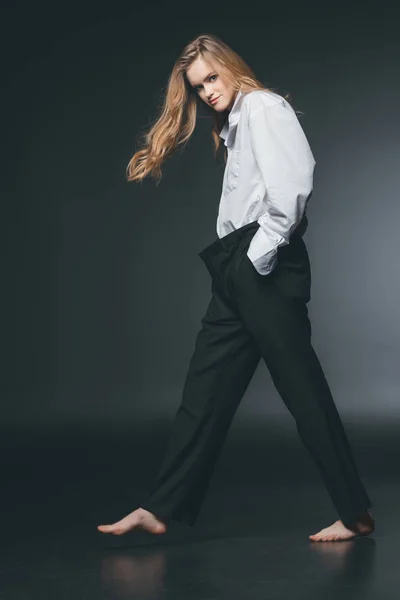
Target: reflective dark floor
[{"x": 250, "y": 540}]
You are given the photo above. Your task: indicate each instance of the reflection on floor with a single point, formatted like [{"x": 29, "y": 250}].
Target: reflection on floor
[{"x": 250, "y": 541}]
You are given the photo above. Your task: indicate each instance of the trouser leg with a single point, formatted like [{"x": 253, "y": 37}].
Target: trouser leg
[
  {"x": 224, "y": 360},
  {"x": 274, "y": 310}
]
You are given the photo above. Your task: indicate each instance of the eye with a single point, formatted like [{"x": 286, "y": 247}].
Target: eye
[{"x": 197, "y": 87}]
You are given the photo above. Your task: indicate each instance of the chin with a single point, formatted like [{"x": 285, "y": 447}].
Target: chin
[{"x": 219, "y": 107}]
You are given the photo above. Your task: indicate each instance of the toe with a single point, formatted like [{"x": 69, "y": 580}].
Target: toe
[{"x": 109, "y": 528}]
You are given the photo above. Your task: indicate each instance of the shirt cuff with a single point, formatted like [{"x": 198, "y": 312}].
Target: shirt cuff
[{"x": 260, "y": 252}]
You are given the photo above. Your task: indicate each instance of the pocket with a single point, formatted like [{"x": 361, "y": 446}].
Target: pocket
[
  {"x": 232, "y": 171},
  {"x": 242, "y": 268},
  {"x": 292, "y": 275}
]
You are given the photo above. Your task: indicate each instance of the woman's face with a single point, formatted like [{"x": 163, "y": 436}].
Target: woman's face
[{"x": 210, "y": 86}]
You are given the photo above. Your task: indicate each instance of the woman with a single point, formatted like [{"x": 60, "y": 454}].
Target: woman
[{"x": 260, "y": 275}]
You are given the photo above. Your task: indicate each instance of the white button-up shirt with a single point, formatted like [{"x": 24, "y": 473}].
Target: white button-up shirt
[{"x": 268, "y": 175}]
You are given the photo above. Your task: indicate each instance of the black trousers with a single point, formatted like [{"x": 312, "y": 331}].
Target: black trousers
[{"x": 249, "y": 317}]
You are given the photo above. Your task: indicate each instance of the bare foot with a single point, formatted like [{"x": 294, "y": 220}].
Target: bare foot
[
  {"x": 338, "y": 532},
  {"x": 138, "y": 519}
]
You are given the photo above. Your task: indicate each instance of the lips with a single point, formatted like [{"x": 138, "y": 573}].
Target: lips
[{"x": 215, "y": 100}]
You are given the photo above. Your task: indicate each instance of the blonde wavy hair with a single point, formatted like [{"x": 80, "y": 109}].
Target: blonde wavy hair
[{"x": 177, "y": 120}]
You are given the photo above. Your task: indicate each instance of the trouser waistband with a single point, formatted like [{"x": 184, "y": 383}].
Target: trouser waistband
[
  {"x": 219, "y": 253},
  {"x": 231, "y": 240}
]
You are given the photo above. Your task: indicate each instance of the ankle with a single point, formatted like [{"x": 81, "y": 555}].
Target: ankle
[
  {"x": 143, "y": 512},
  {"x": 366, "y": 521},
  {"x": 367, "y": 517}
]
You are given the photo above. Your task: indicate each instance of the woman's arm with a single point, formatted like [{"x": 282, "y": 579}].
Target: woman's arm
[{"x": 286, "y": 163}]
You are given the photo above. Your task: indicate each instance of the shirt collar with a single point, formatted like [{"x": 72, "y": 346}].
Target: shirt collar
[{"x": 229, "y": 129}]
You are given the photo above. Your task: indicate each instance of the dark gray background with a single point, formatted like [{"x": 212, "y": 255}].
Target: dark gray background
[
  {"x": 103, "y": 291},
  {"x": 102, "y": 284}
]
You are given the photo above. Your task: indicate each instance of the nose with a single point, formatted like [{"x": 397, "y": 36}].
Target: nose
[{"x": 209, "y": 92}]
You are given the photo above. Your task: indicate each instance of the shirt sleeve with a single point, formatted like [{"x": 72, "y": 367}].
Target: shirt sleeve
[{"x": 286, "y": 163}]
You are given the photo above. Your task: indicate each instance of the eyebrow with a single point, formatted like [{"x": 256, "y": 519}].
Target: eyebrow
[{"x": 206, "y": 77}]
